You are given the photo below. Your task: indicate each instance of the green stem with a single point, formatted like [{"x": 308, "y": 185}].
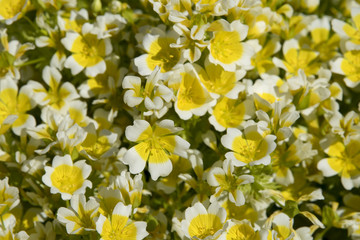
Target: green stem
[
  {"x": 30, "y": 62},
  {"x": 30, "y": 22},
  {"x": 321, "y": 234}
]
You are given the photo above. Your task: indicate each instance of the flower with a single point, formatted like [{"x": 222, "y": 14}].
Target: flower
[
  {"x": 10, "y": 55},
  {"x": 11, "y": 11},
  {"x": 343, "y": 159},
  {"x": 202, "y": 223},
  {"x": 253, "y": 147},
  {"x": 348, "y": 31},
  {"x": 231, "y": 113},
  {"x": 119, "y": 226},
  {"x": 239, "y": 230},
  {"x": 296, "y": 58},
  {"x": 159, "y": 53},
  {"x": 192, "y": 97},
  {"x": 220, "y": 82},
  {"x": 88, "y": 51},
  {"x": 154, "y": 95},
  {"x": 17, "y": 103},
  {"x": 226, "y": 47},
  {"x": 66, "y": 177},
  {"x": 155, "y": 144},
  {"x": 9, "y": 196},
  {"x": 349, "y": 66},
  {"x": 53, "y": 40},
  {"x": 227, "y": 182},
  {"x": 81, "y": 217},
  {"x": 59, "y": 96}
]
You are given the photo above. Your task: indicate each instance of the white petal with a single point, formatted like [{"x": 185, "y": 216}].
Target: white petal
[
  {"x": 160, "y": 169},
  {"x": 133, "y": 132},
  {"x": 134, "y": 160}
]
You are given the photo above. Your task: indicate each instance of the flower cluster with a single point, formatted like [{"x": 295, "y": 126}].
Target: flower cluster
[{"x": 179, "y": 119}]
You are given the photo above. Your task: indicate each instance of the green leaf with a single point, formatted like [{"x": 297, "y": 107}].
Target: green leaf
[{"x": 291, "y": 208}]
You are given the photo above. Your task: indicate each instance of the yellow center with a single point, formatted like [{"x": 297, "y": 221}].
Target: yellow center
[
  {"x": 226, "y": 47},
  {"x": 249, "y": 149},
  {"x": 204, "y": 225},
  {"x": 162, "y": 55},
  {"x": 88, "y": 50},
  {"x": 67, "y": 178},
  {"x": 118, "y": 229}
]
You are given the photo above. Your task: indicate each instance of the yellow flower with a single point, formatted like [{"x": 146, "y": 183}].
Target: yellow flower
[
  {"x": 81, "y": 216},
  {"x": 321, "y": 41},
  {"x": 226, "y": 47},
  {"x": 231, "y": 113},
  {"x": 351, "y": 32},
  {"x": 88, "y": 51},
  {"x": 253, "y": 147},
  {"x": 155, "y": 144},
  {"x": 349, "y": 66},
  {"x": 9, "y": 196},
  {"x": 219, "y": 81},
  {"x": 159, "y": 53},
  {"x": 10, "y": 55},
  {"x": 59, "y": 96},
  {"x": 228, "y": 183},
  {"x": 53, "y": 40},
  {"x": 192, "y": 97},
  {"x": 240, "y": 230},
  {"x": 104, "y": 84},
  {"x": 14, "y": 103},
  {"x": 119, "y": 226},
  {"x": 11, "y": 11},
  {"x": 180, "y": 165},
  {"x": 67, "y": 178},
  {"x": 343, "y": 159},
  {"x": 262, "y": 60},
  {"x": 201, "y": 223},
  {"x": 296, "y": 58}
]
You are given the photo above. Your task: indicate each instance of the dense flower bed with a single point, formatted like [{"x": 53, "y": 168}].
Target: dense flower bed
[{"x": 179, "y": 119}]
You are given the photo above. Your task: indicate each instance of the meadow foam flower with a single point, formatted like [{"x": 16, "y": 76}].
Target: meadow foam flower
[
  {"x": 159, "y": 52},
  {"x": 81, "y": 216},
  {"x": 66, "y": 177},
  {"x": 251, "y": 147},
  {"x": 88, "y": 51},
  {"x": 155, "y": 144},
  {"x": 202, "y": 223},
  {"x": 53, "y": 40},
  {"x": 349, "y": 31},
  {"x": 343, "y": 159},
  {"x": 58, "y": 96},
  {"x": 239, "y": 230},
  {"x": 220, "y": 82},
  {"x": 296, "y": 58},
  {"x": 348, "y": 66},
  {"x": 12, "y": 10},
  {"x": 154, "y": 94},
  {"x": 15, "y": 102},
  {"x": 226, "y": 46},
  {"x": 119, "y": 226},
  {"x": 231, "y": 113},
  {"x": 192, "y": 98},
  {"x": 226, "y": 182},
  {"x": 130, "y": 188},
  {"x": 321, "y": 39},
  {"x": 9, "y": 196},
  {"x": 11, "y": 53},
  {"x": 191, "y": 40}
]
